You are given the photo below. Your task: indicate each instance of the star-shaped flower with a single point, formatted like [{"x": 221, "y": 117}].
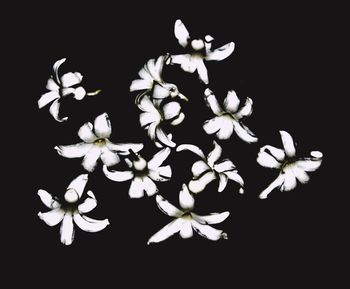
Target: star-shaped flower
[
  {"x": 210, "y": 168},
  {"x": 185, "y": 220},
  {"x": 230, "y": 118},
  {"x": 290, "y": 167},
  {"x": 199, "y": 50},
  {"x": 67, "y": 84},
  {"x": 96, "y": 145},
  {"x": 143, "y": 174},
  {"x": 71, "y": 210}
]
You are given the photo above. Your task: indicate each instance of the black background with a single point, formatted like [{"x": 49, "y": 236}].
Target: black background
[{"x": 285, "y": 60}]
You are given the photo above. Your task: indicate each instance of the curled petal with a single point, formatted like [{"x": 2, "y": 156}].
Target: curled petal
[
  {"x": 212, "y": 102},
  {"x": 48, "y": 200},
  {"x": 181, "y": 33},
  {"x": 278, "y": 154},
  {"x": 109, "y": 158},
  {"x": 180, "y": 118},
  {"x": 163, "y": 138},
  {"x": 55, "y": 109},
  {"x": 288, "y": 143},
  {"x": 78, "y": 184},
  {"x": 243, "y": 132},
  {"x": 67, "y": 229},
  {"x": 171, "y": 110},
  {"x": 74, "y": 151},
  {"x": 90, "y": 159},
  {"x": 136, "y": 188},
  {"x": 215, "y": 154},
  {"x": 186, "y": 230},
  {"x": 124, "y": 148},
  {"x": 86, "y": 134},
  {"x": 208, "y": 232},
  {"x": 48, "y": 97},
  {"x": 224, "y": 166},
  {"x": 221, "y": 53},
  {"x": 168, "y": 208},
  {"x": 147, "y": 118},
  {"x": 69, "y": 79},
  {"x": 222, "y": 182},
  {"x": 309, "y": 164},
  {"x": 160, "y": 91},
  {"x": 140, "y": 84},
  {"x": 161, "y": 174},
  {"x": 159, "y": 158},
  {"x": 118, "y": 176},
  {"x": 146, "y": 104},
  {"x": 56, "y": 66},
  {"x": 89, "y": 203},
  {"x": 102, "y": 126},
  {"x": 276, "y": 183},
  {"x": 214, "y": 218},
  {"x": 266, "y": 160},
  {"x": 199, "y": 185},
  {"x": 186, "y": 199},
  {"x": 88, "y": 224},
  {"x": 199, "y": 167},
  {"x": 52, "y": 218},
  {"x": 191, "y": 148},
  {"x": 234, "y": 176},
  {"x": 167, "y": 231},
  {"x": 231, "y": 102}
]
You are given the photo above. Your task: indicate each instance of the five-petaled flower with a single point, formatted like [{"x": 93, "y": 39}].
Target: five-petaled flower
[
  {"x": 228, "y": 119},
  {"x": 200, "y": 50},
  {"x": 96, "y": 145},
  {"x": 143, "y": 174},
  {"x": 62, "y": 86},
  {"x": 71, "y": 209},
  {"x": 185, "y": 220},
  {"x": 209, "y": 168},
  {"x": 290, "y": 167}
]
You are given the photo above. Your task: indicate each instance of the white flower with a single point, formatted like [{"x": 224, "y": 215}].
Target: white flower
[
  {"x": 72, "y": 209},
  {"x": 62, "y": 86},
  {"x": 209, "y": 168},
  {"x": 155, "y": 114},
  {"x": 230, "y": 118},
  {"x": 152, "y": 81},
  {"x": 185, "y": 221},
  {"x": 143, "y": 174},
  {"x": 290, "y": 167},
  {"x": 200, "y": 50},
  {"x": 96, "y": 145}
]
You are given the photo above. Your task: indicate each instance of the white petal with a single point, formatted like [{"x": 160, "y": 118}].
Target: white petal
[
  {"x": 288, "y": 143},
  {"x": 109, "y": 158},
  {"x": 222, "y": 52},
  {"x": 56, "y": 66},
  {"x": 191, "y": 148},
  {"x": 118, "y": 176},
  {"x": 212, "y": 102},
  {"x": 316, "y": 154},
  {"x": 199, "y": 185},
  {"x": 47, "y": 98},
  {"x": 276, "y": 183},
  {"x": 88, "y": 224},
  {"x": 154, "y": 68},
  {"x": 90, "y": 159},
  {"x": 180, "y": 118},
  {"x": 208, "y": 232},
  {"x": 266, "y": 160},
  {"x": 186, "y": 199},
  {"x": 243, "y": 132},
  {"x": 52, "y": 85},
  {"x": 149, "y": 186},
  {"x": 186, "y": 230},
  {"x": 151, "y": 131},
  {"x": 167, "y": 231},
  {"x": 140, "y": 84},
  {"x": 67, "y": 91},
  {"x": 136, "y": 188},
  {"x": 234, "y": 176},
  {"x": 301, "y": 175},
  {"x": 171, "y": 110},
  {"x": 48, "y": 200},
  {"x": 226, "y": 127},
  {"x": 214, "y": 218},
  {"x": 86, "y": 134},
  {"x": 78, "y": 184},
  {"x": 52, "y": 218},
  {"x": 102, "y": 126},
  {"x": 74, "y": 151},
  {"x": 161, "y": 174},
  {"x": 55, "y": 109},
  {"x": 289, "y": 182},
  {"x": 69, "y": 79},
  {"x": 146, "y": 104},
  {"x": 159, "y": 158},
  {"x": 246, "y": 110},
  {"x": 215, "y": 154},
  {"x": 278, "y": 154},
  {"x": 222, "y": 182},
  {"x": 181, "y": 33},
  {"x": 79, "y": 93},
  {"x": 124, "y": 148},
  {"x": 147, "y": 118},
  {"x": 89, "y": 203},
  {"x": 167, "y": 208},
  {"x": 163, "y": 138},
  {"x": 67, "y": 229},
  {"x": 202, "y": 71},
  {"x": 160, "y": 91},
  {"x": 225, "y": 165},
  {"x": 231, "y": 102},
  {"x": 187, "y": 62},
  {"x": 199, "y": 167},
  {"x": 310, "y": 164}
]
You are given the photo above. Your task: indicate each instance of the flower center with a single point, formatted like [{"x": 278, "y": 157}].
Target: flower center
[
  {"x": 100, "y": 142},
  {"x": 71, "y": 196},
  {"x": 287, "y": 164},
  {"x": 187, "y": 215}
]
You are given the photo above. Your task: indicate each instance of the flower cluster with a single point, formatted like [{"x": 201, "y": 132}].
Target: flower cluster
[{"x": 160, "y": 107}]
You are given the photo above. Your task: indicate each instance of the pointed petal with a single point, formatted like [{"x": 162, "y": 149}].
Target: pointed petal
[
  {"x": 102, "y": 126},
  {"x": 215, "y": 154},
  {"x": 181, "y": 33},
  {"x": 171, "y": 110},
  {"x": 167, "y": 231},
  {"x": 159, "y": 158},
  {"x": 199, "y": 185},
  {"x": 163, "y": 138},
  {"x": 136, "y": 188},
  {"x": 52, "y": 85},
  {"x": 161, "y": 174},
  {"x": 276, "y": 183},
  {"x": 214, "y": 218},
  {"x": 186, "y": 230},
  {"x": 199, "y": 167},
  {"x": 90, "y": 159},
  {"x": 48, "y": 200},
  {"x": 90, "y": 225},
  {"x": 89, "y": 203},
  {"x": 167, "y": 208},
  {"x": 55, "y": 109},
  {"x": 212, "y": 102},
  {"x": 231, "y": 102},
  {"x": 278, "y": 154},
  {"x": 288, "y": 143},
  {"x": 118, "y": 176},
  {"x": 222, "y": 182},
  {"x": 149, "y": 186},
  {"x": 124, "y": 148},
  {"x": 52, "y": 218},
  {"x": 301, "y": 175},
  {"x": 186, "y": 199},
  {"x": 86, "y": 134},
  {"x": 69, "y": 79},
  {"x": 208, "y": 232},
  {"x": 290, "y": 181},
  {"x": 243, "y": 132},
  {"x": 234, "y": 176},
  {"x": 225, "y": 165},
  {"x": 78, "y": 184},
  {"x": 140, "y": 84},
  {"x": 221, "y": 53},
  {"x": 246, "y": 110},
  {"x": 67, "y": 229},
  {"x": 267, "y": 160},
  {"x": 196, "y": 150},
  {"x": 202, "y": 71},
  {"x": 56, "y": 66},
  {"x": 109, "y": 158},
  {"x": 74, "y": 151},
  {"x": 46, "y": 98}
]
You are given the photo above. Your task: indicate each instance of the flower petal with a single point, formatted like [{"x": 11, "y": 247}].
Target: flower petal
[
  {"x": 163, "y": 138},
  {"x": 186, "y": 199},
  {"x": 86, "y": 134},
  {"x": 52, "y": 218},
  {"x": 243, "y": 132},
  {"x": 289, "y": 182},
  {"x": 145, "y": 104},
  {"x": 136, "y": 188},
  {"x": 79, "y": 93},
  {"x": 167, "y": 231},
  {"x": 124, "y": 148},
  {"x": 109, "y": 158},
  {"x": 212, "y": 102},
  {"x": 171, "y": 110},
  {"x": 278, "y": 154},
  {"x": 199, "y": 185},
  {"x": 74, "y": 151},
  {"x": 88, "y": 224},
  {"x": 310, "y": 164},
  {"x": 67, "y": 229},
  {"x": 52, "y": 85},
  {"x": 221, "y": 53},
  {"x": 181, "y": 33},
  {"x": 202, "y": 71},
  {"x": 234, "y": 176},
  {"x": 208, "y": 232},
  {"x": 222, "y": 182},
  {"x": 266, "y": 160},
  {"x": 186, "y": 230},
  {"x": 276, "y": 183},
  {"x": 118, "y": 176},
  {"x": 214, "y": 218},
  {"x": 46, "y": 98},
  {"x": 215, "y": 154},
  {"x": 161, "y": 174},
  {"x": 180, "y": 118},
  {"x": 167, "y": 208},
  {"x": 213, "y": 125},
  {"x": 199, "y": 167},
  {"x": 56, "y": 66},
  {"x": 191, "y": 148},
  {"x": 55, "y": 109},
  {"x": 102, "y": 126},
  {"x": 246, "y": 110},
  {"x": 160, "y": 91},
  {"x": 69, "y": 79},
  {"x": 231, "y": 102},
  {"x": 78, "y": 184},
  {"x": 288, "y": 143},
  {"x": 89, "y": 203},
  {"x": 149, "y": 186},
  {"x": 187, "y": 62},
  {"x": 48, "y": 200},
  {"x": 225, "y": 165},
  {"x": 226, "y": 127},
  {"x": 140, "y": 84},
  {"x": 90, "y": 159},
  {"x": 159, "y": 158},
  {"x": 146, "y": 118},
  {"x": 301, "y": 175}
]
